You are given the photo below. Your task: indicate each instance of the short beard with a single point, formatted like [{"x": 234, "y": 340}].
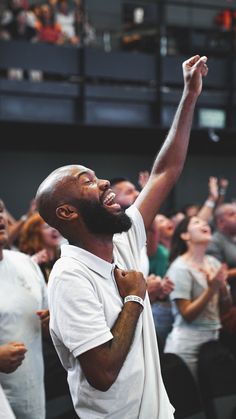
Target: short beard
[{"x": 99, "y": 221}]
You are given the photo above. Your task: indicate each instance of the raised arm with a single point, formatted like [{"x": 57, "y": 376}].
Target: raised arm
[
  {"x": 170, "y": 160},
  {"x": 207, "y": 210}
]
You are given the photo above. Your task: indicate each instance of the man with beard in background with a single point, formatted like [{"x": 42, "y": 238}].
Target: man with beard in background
[{"x": 100, "y": 316}]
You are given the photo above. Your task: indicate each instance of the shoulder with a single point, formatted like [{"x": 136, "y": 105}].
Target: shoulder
[
  {"x": 16, "y": 256},
  {"x": 134, "y": 214},
  {"x": 135, "y": 237},
  {"x": 178, "y": 263},
  {"x": 217, "y": 237},
  {"x": 213, "y": 260},
  {"x": 68, "y": 273},
  {"x": 24, "y": 264},
  {"x": 177, "y": 267}
]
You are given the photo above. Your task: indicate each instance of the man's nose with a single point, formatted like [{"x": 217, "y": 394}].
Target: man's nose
[{"x": 104, "y": 184}]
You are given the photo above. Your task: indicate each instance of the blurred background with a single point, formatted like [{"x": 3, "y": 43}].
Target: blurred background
[{"x": 98, "y": 83}]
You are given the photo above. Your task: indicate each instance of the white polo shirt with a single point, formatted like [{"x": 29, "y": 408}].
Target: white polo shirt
[{"x": 84, "y": 304}]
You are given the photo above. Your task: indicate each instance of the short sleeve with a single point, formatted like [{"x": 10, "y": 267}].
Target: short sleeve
[
  {"x": 80, "y": 321},
  {"x": 137, "y": 230},
  {"x": 182, "y": 280}
]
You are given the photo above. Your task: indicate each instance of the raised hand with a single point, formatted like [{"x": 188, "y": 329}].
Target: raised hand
[
  {"x": 213, "y": 188},
  {"x": 194, "y": 69}
]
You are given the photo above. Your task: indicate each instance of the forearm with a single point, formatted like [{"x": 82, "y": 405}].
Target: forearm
[
  {"x": 173, "y": 152},
  {"x": 192, "y": 309},
  {"x": 169, "y": 162},
  {"x": 231, "y": 273},
  {"x": 123, "y": 332},
  {"x": 207, "y": 210},
  {"x": 102, "y": 365},
  {"x": 152, "y": 240}
]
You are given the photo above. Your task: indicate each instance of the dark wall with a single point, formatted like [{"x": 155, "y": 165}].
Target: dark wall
[
  {"x": 193, "y": 183},
  {"x": 31, "y": 152},
  {"x": 22, "y": 172}
]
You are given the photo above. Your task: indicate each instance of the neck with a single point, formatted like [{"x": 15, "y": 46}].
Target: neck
[
  {"x": 196, "y": 253},
  {"x": 51, "y": 253},
  {"x": 1, "y": 253},
  {"x": 165, "y": 241},
  {"x": 100, "y": 246}
]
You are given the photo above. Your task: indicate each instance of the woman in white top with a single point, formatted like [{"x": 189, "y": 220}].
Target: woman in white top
[{"x": 200, "y": 293}]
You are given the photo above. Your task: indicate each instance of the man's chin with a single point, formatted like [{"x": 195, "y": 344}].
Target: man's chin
[
  {"x": 101, "y": 221},
  {"x": 116, "y": 224}
]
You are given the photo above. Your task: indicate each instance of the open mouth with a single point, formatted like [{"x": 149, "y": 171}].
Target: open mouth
[
  {"x": 2, "y": 228},
  {"x": 205, "y": 230},
  {"x": 109, "y": 201},
  {"x": 55, "y": 235}
]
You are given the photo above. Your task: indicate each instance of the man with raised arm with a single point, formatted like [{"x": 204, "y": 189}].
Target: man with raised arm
[{"x": 100, "y": 316}]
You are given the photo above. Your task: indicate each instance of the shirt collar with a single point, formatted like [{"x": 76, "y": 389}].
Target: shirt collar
[{"x": 93, "y": 262}]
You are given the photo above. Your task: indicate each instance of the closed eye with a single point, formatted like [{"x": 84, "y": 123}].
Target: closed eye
[{"x": 87, "y": 180}]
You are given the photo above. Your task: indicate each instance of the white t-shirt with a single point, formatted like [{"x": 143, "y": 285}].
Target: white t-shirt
[
  {"x": 67, "y": 23},
  {"x": 84, "y": 304},
  {"x": 5, "y": 409},
  {"x": 22, "y": 293},
  {"x": 189, "y": 284}
]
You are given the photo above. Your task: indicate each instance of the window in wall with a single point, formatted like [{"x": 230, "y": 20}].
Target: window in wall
[{"x": 211, "y": 118}]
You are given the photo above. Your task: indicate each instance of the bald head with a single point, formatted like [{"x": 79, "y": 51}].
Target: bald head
[
  {"x": 225, "y": 217},
  {"x": 57, "y": 189},
  {"x": 75, "y": 202},
  {"x": 222, "y": 210}
]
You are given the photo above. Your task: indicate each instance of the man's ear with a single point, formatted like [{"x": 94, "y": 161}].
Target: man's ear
[{"x": 66, "y": 212}]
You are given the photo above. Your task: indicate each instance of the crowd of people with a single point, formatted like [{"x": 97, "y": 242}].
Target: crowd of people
[
  {"x": 96, "y": 284},
  {"x": 56, "y": 22}
]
